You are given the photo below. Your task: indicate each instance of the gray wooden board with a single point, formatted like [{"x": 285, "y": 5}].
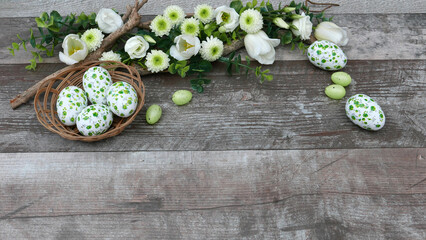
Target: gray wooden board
[
  {"x": 372, "y": 37},
  {"x": 238, "y": 112},
  {"x": 24, "y": 8},
  {"x": 290, "y": 194}
]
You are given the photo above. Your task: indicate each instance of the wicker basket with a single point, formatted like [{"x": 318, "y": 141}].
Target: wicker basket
[{"x": 46, "y": 96}]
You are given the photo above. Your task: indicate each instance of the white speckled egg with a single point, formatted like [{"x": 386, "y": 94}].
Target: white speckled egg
[
  {"x": 363, "y": 111},
  {"x": 71, "y": 101},
  {"x": 96, "y": 81},
  {"x": 327, "y": 55},
  {"x": 94, "y": 120},
  {"x": 122, "y": 99}
]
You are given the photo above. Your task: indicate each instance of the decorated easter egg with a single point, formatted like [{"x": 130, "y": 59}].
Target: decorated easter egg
[
  {"x": 71, "y": 101},
  {"x": 94, "y": 120},
  {"x": 122, "y": 99},
  {"x": 365, "y": 112},
  {"x": 326, "y": 55},
  {"x": 96, "y": 81}
]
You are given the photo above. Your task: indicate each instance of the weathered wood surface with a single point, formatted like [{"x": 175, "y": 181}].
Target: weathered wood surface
[
  {"x": 237, "y": 112},
  {"x": 372, "y": 37},
  {"x": 292, "y": 194},
  {"x": 24, "y": 8}
]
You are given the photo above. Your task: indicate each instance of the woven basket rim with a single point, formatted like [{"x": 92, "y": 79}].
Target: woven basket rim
[{"x": 49, "y": 92}]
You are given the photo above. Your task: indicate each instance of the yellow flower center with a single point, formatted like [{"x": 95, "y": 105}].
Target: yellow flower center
[
  {"x": 188, "y": 46},
  {"x": 74, "y": 50},
  {"x": 225, "y": 17}
]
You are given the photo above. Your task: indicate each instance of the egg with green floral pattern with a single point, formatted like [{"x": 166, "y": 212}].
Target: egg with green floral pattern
[
  {"x": 96, "y": 81},
  {"x": 122, "y": 99},
  {"x": 365, "y": 112},
  {"x": 326, "y": 55},
  {"x": 71, "y": 101},
  {"x": 94, "y": 120}
]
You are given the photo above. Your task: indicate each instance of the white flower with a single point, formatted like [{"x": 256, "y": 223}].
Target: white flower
[
  {"x": 93, "y": 38},
  {"x": 260, "y": 47},
  {"x": 251, "y": 21},
  {"x": 136, "y": 47},
  {"x": 110, "y": 56},
  {"x": 75, "y": 50},
  {"x": 186, "y": 47},
  {"x": 332, "y": 32},
  {"x": 211, "y": 49},
  {"x": 204, "y": 13},
  {"x": 281, "y": 23},
  {"x": 161, "y": 26},
  {"x": 157, "y": 61},
  {"x": 304, "y": 27},
  {"x": 108, "y": 20},
  {"x": 175, "y": 14},
  {"x": 190, "y": 26},
  {"x": 228, "y": 17}
]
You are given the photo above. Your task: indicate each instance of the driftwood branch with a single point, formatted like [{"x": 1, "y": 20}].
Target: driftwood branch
[{"x": 133, "y": 19}]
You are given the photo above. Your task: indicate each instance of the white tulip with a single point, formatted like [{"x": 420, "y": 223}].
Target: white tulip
[
  {"x": 75, "y": 50},
  {"x": 186, "y": 47},
  {"x": 331, "y": 32},
  {"x": 136, "y": 47},
  {"x": 228, "y": 17},
  {"x": 260, "y": 47},
  {"x": 108, "y": 20},
  {"x": 304, "y": 27}
]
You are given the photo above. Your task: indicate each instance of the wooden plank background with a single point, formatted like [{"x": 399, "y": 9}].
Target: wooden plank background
[
  {"x": 243, "y": 160},
  {"x": 24, "y": 8},
  {"x": 293, "y": 194}
]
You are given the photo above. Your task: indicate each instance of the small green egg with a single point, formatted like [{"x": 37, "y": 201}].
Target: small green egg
[
  {"x": 335, "y": 91},
  {"x": 341, "y": 78},
  {"x": 182, "y": 97},
  {"x": 153, "y": 114}
]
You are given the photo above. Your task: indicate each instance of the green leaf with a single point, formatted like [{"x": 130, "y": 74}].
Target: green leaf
[
  {"x": 15, "y": 46},
  {"x": 40, "y": 23},
  {"x": 254, "y": 2},
  {"x": 172, "y": 68},
  {"x": 12, "y": 51},
  {"x": 44, "y": 16},
  {"x": 286, "y": 38},
  {"x": 237, "y": 5}
]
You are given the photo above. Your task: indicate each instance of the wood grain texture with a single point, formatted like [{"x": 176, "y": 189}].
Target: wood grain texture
[
  {"x": 237, "y": 112},
  {"x": 372, "y": 37},
  {"x": 293, "y": 194},
  {"x": 23, "y": 8}
]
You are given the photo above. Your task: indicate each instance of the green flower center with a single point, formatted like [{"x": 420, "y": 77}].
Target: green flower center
[
  {"x": 157, "y": 60},
  {"x": 249, "y": 20},
  {"x": 162, "y": 24},
  {"x": 226, "y": 17},
  {"x": 190, "y": 28},
  {"x": 214, "y": 51},
  {"x": 173, "y": 16},
  {"x": 204, "y": 13}
]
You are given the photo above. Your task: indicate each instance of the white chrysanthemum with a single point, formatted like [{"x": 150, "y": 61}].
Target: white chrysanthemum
[
  {"x": 110, "y": 56},
  {"x": 161, "y": 26},
  {"x": 190, "y": 26},
  {"x": 211, "y": 49},
  {"x": 175, "y": 14},
  {"x": 251, "y": 21},
  {"x": 157, "y": 61},
  {"x": 204, "y": 13},
  {"x": 93, "y": 39}
]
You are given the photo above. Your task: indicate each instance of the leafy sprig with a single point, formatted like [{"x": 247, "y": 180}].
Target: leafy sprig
[
  {"x": 234, "y": 65},
  {"x": 51, "y": 32}
]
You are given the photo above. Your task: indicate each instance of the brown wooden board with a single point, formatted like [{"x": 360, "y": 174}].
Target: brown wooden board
[
  {"x": 238, "y": 112},
  {"x": 290, "y": 194}
]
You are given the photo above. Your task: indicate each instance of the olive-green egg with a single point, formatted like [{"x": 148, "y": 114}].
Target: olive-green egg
[
  {"x": 153, "y": 114},
  {"x": 335, "y": 91},
  {"x": 182, "y": 97},
  {"x": 341, "y": 78}
]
